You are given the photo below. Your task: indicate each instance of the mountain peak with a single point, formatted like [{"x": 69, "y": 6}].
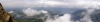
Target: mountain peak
[{"x": 0, "y": 4}]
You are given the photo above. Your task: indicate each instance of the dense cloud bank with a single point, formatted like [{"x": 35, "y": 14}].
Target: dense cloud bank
[{"x": 50, "y": 3}]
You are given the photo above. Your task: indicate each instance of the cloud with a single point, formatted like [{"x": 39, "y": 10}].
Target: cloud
[
  {"x": 32, "y": 12},
  {"x": 43, "y": 3},
  {"x": 11, "y": 12},
  {"x": 65, "y": 18},
  {"x": 87, "y": 16},
  {"x": 43, "y": 11}
]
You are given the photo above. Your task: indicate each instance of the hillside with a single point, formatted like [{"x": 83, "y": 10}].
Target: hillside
[{"x": 5, "y": 16}]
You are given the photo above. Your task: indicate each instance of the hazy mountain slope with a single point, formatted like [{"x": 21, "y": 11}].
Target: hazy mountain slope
[{"x": 78, "y": 15}]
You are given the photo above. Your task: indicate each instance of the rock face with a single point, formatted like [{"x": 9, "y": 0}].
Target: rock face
[{"x": 5, "y": 16}]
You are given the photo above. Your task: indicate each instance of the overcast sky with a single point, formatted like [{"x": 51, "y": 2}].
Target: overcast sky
[{"x": 49, "y": 3}]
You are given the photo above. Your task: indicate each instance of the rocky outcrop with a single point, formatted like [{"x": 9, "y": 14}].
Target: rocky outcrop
[{"x": 5, "y": 16}]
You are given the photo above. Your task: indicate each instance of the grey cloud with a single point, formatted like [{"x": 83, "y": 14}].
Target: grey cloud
[{"x": 36, "y": 3}]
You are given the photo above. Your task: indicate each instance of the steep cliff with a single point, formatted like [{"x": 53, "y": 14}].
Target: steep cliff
[{"x": 5, "y": 16}]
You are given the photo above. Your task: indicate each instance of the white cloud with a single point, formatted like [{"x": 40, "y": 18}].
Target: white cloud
[
  {"x": 65, "y": 18},
  {"x": 43, "y": 11},
  {"x": 11, "y": 12},
  {"x": 32, "y": 12},
  {"x": 87, "y": 16}
]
